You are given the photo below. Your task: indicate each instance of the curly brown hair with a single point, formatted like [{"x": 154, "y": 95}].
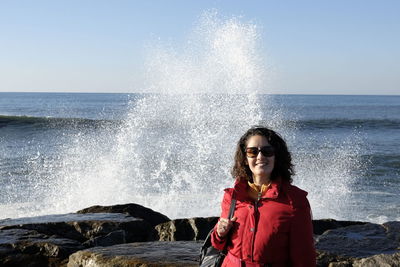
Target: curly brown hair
[{"x": 283, "y": 160}]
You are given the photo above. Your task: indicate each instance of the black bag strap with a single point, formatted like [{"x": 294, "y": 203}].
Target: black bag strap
[
  {"x": 232, "y": 208},
  {"x": 207, "y": 247}
]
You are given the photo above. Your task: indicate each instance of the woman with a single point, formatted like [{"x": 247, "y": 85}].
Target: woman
[{"x": 272, "y": 223}]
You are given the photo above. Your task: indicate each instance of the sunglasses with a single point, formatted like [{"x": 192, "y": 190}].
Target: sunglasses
[{"x": 267, "y": 151}]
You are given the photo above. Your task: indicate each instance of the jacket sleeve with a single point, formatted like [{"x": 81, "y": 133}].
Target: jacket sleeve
[
  {"x": 216, "y": 241},
  {"x": 302, "y": 250}
]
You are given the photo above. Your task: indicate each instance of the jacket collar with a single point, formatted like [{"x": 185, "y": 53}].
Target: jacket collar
[{"x": 241, "y": 187}]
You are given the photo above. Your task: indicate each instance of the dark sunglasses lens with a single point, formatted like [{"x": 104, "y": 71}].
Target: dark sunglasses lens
[
  {"x": 251, "y": 152},
  {"x": 267, "y": 151}
]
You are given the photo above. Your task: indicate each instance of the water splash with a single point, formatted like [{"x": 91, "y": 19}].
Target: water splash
[
  {"x": 174, "y": 149},
  {"x": 220, "y": 56},
  {"x": 329, "y": 168}
]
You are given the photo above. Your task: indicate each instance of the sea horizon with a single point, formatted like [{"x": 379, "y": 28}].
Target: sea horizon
[{"x": 88, "y": 92}]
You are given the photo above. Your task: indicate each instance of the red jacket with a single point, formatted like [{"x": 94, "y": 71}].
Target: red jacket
[{"x": 276, "y": 230}]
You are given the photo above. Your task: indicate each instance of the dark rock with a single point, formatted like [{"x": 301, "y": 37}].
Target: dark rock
[
  {"x": 185, "y": 229},
  {"x": 21, "y": 247},
  {"x": 320, "y": 226},
  {"x": 147, "y": 254},
  {"x": 392, "y": 230},
  {"x": 49, "y": 225},
  {"x": 113, "y": 238},
  {"x": 360, "y": 241},
  {"x": 83, "y": 227},
  {"x": 132, "y": 209}
]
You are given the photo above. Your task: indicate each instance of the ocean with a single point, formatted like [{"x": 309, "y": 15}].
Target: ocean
[{"x": 60, "y": 152}]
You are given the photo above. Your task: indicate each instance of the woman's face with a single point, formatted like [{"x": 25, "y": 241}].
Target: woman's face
[{"x": 260, "y": 165}]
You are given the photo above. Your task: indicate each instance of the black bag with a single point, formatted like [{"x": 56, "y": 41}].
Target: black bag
[{"x": 210, "y": 256}]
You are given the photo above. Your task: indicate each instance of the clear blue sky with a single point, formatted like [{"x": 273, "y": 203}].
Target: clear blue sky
[{"x": 316, "y": 47}]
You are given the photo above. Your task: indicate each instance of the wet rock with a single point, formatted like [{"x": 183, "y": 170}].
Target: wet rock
[
  {"x": 147, "y": 254},
  {"x": 320, "y": 226},
  {"x": 360, "y": 241},
  {"x": 185, "y": 229},
  {"x": 21, "y": 247},
  {"x": 83, "y": 227},
  {"x": 132, "y": 209}
]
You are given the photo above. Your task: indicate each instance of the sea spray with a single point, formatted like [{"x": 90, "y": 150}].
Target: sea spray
[
  {"x": 329, "y": 168},
  {"x": 173, "y": 150}
]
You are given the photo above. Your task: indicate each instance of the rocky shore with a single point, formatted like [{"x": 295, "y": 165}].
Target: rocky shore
[{"x": 133, "y": 235}]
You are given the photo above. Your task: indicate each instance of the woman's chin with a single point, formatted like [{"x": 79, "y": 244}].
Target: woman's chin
[{"x": 263, "y": 173}]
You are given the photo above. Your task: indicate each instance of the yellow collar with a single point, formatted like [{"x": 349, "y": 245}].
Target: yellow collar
[{"x": 255, "y": 191}]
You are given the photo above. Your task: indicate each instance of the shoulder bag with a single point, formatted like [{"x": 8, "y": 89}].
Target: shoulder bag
[{"x": 210, "y": 256}]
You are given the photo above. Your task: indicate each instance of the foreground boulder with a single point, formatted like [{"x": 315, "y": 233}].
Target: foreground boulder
[
  {"x": 97, "y": 236},
  {"x": 21, "y": 247},
  {"x": 85, "y": 227},
  {"x": 132, "y": 209},
  {"x": 379, "y": 260},
  {"x": 148, "y": 254},
  {"x": 383, "y": 260},
  {"x": 325, "y": 259},
  {"x": 361, "y": 240},
  {"x": 358, "y": 244}
]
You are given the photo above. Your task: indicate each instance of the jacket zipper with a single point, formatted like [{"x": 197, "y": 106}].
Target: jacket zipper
[{"x": 255, "y": 224}]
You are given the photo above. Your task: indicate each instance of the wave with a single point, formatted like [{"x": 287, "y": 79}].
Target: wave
[
  {"x": 346, "y": 123},
  {"x": 53, "y": 122}
]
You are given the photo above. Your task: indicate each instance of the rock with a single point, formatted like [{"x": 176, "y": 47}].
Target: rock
[
  {"x": 185, "y": 229},
  {"x": 360, "y": 241},
  {"x": 383, "y": 260},
  {"x": 50, "y": 240},
  {"x": 132, "y": 209},
  {"x": 113, "y": 238},
  {"x": 379, "y": 260},
  {"x": 325, "y": 259},
  {"x": 147, "y": 254},
  {"x": 84, "y": 227},
  {"x": 392, "y": 230},
  {"x": 198, "y": 228},
  {"x": 340, "y": 264},
  {"x": 320, "y": 226},
  {"x": 21, "y": 247}
]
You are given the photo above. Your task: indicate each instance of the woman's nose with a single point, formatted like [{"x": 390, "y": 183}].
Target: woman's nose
[{"x": 260, "y": 155}]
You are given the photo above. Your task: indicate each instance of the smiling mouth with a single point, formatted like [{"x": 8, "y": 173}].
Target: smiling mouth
[{"x": 262, "y": 163}]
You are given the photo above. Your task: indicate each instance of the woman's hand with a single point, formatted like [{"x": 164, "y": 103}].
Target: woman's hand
[{"x": 224, "y": 225}]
